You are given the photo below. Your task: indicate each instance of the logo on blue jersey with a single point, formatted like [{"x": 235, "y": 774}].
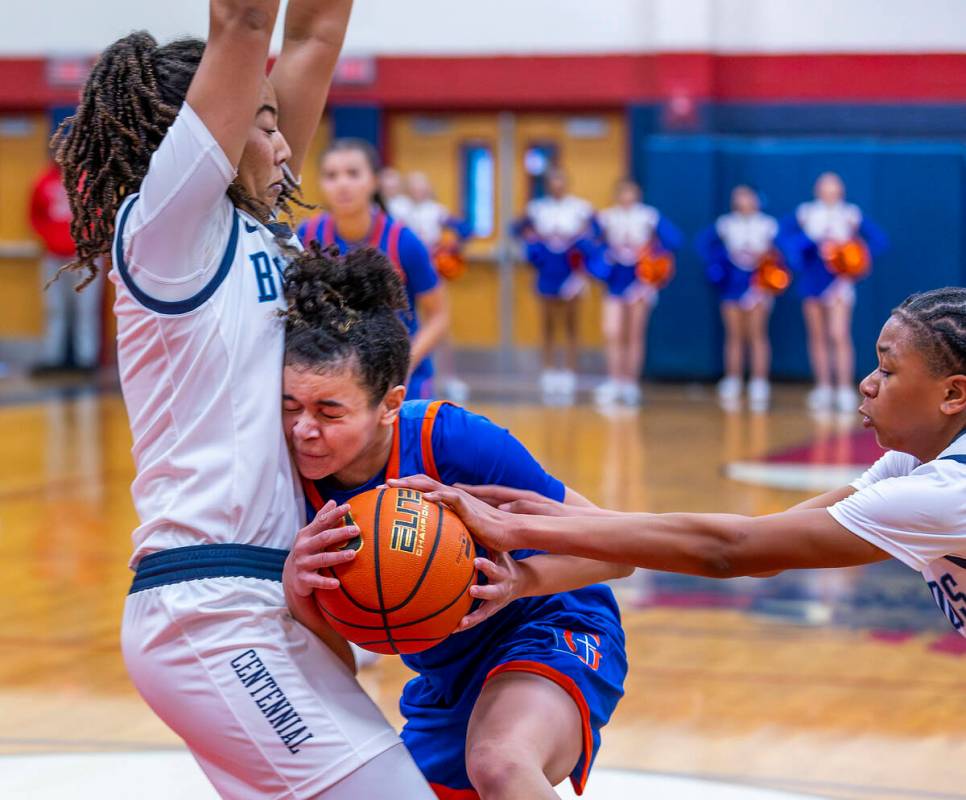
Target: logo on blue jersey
[{"x": 583, "y": 646}]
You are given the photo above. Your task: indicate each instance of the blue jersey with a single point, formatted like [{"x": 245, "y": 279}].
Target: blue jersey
[
  {"x": 406, "y": 252},
  {"x": 573, "y": 638}
]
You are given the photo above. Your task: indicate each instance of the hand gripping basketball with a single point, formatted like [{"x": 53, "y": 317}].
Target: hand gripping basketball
[
  {"x": 309, "y": 552},
  {"x": 487, "y": 525}
]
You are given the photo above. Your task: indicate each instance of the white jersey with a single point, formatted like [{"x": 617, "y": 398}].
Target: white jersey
[
  {"x": 917, "y": 513},
  {"x": 746, "y": 237},
  {"x": 427, "y": 220},
  {"x": 399, "y": 208},
  {"x": 559, "y": 223},
  {"x": 627, "y": 230},
  {"x": 200, "y": 349},
  {"x": 821, "y": 222}
]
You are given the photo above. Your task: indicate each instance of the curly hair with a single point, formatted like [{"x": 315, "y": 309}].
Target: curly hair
[
  {"x": 937, "y": 319},
  {"x": 130, "y": 99},
  {"x": 346, "y": 310}
]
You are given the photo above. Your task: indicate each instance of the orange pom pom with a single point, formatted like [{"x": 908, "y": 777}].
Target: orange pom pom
[
  {"x": 851, "y": 259},
  {"x": 655, "y": 266},
  {"x": 771, "y": 275}
]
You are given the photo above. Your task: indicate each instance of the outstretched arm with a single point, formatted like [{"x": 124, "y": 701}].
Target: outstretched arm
[
  {"x": 712, "y": 545},
  {"x": 302, "y": 75}
]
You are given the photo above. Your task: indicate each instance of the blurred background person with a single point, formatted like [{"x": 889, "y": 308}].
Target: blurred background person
[
  {"x": 742, "y": 265},
  {"x": 556, "y": 230},
  {"x": 444, "y": 235},
  {"x": 348, "y": 180},
  {"x": 393, "y": 193},
  {"x": 829, "y": 244},
  {"x": 72, "y": 333},
  {"x": 635, "y": 261}
]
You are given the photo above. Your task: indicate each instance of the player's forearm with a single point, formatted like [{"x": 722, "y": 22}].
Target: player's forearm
[
  {"x": 322, "y": 23},
  {"x": 305, "y": 611},
  {"x": 695, "y": 544},
  {"x": 314, "y": 31},
  {"x": 432, "y": 329},
  {"x": 551, "y": 574}
]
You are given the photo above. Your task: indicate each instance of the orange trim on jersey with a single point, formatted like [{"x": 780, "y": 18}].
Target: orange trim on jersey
[
  {"x": 392, "y": 248},
  {"x": 426, "y": 439},
  {"x": 312, "y": 492},
  {"x": 566, "y": 683},
  {"x": 445, "y": 793},
  {"x": 392, "y": 466}
]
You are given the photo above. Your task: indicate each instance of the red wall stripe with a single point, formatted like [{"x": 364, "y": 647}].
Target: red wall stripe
[{"x": 605, "y": 81}]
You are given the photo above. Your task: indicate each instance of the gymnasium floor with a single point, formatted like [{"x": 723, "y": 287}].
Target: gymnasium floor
[{"x": 839, "y": 684}]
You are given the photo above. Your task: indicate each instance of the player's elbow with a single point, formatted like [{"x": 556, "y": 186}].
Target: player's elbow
[
  {"x": 723, "y": 557},
  {"x": 251, "y": 17}
]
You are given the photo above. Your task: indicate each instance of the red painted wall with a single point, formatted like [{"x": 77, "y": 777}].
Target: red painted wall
[{"x": 604, "y": 81}]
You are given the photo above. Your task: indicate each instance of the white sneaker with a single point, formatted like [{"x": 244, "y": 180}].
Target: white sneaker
[
  {"x": 607, "y": 393},
  {"x": 566, "y": 386},
  {"x": 759, "y": 395},
  {"x": 631, "y": 394},
  {"x": 821, "y": 398},
  {"x": 729, "y": 393},
  {"x": 456, "y": 390},
  {"x": 548, "y": 382},
  {"x": 846, "y": 400}
]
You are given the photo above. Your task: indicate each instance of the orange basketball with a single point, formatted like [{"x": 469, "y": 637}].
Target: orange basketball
[{"x": 408, "y": 586}]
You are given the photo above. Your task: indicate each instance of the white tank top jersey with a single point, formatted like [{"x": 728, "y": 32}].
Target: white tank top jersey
[
  {"x": 200, "y": 349},
  {"x": 829, "y": 223},
  {"x": 917, "y": 513},
  {"x": 427, "y": 220},
  {"x": 628, "y": 230},
  {"x": 559, "y": 223},
  {"x": 746, "y": 237}
]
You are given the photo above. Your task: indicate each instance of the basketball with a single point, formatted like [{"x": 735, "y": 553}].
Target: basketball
[{"x": 408, "y": 586}]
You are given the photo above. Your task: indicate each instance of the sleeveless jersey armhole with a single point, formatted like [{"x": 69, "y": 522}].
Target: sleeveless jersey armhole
[{"x": 426, "y": 439}]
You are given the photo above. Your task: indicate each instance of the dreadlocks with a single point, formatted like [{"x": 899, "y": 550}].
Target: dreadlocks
[
  {"x": 938, "y": 321},
  {"x": 131, "y": 98}
]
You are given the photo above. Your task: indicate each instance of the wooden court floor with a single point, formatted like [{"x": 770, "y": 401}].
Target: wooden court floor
[{"x": 834, "y": 684}]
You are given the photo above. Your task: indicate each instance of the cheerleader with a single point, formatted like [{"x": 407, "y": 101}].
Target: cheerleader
[
  {"x": 393, "y": 195},
  {"x": 635, "y": 262},
  {"x": 740, "y": 255},
  {"x": 555, "y": 229},
  {"x": 828, "y": 244},
  {"x": 443, "y": 234}
]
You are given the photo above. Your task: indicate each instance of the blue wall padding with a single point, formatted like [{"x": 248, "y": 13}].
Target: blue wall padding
[{"x": 914, "y": 191}]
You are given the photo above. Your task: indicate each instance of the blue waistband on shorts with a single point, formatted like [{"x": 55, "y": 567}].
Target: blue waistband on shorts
[{"x": 208, "y": 561}]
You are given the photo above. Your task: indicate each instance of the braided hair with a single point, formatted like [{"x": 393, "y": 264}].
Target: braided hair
[
  {"x": 344, "y": 310},
  {"x": 131, "y": 98},
  {"x": 937, "y": 319}
]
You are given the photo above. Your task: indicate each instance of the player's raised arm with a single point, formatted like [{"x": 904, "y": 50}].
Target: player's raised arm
[
  {"x": 225, "y": 90},
  {"x": 302, "y": 75}
]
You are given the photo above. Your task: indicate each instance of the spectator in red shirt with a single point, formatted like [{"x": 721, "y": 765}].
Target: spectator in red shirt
[{"x": 73, "y": 317}]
